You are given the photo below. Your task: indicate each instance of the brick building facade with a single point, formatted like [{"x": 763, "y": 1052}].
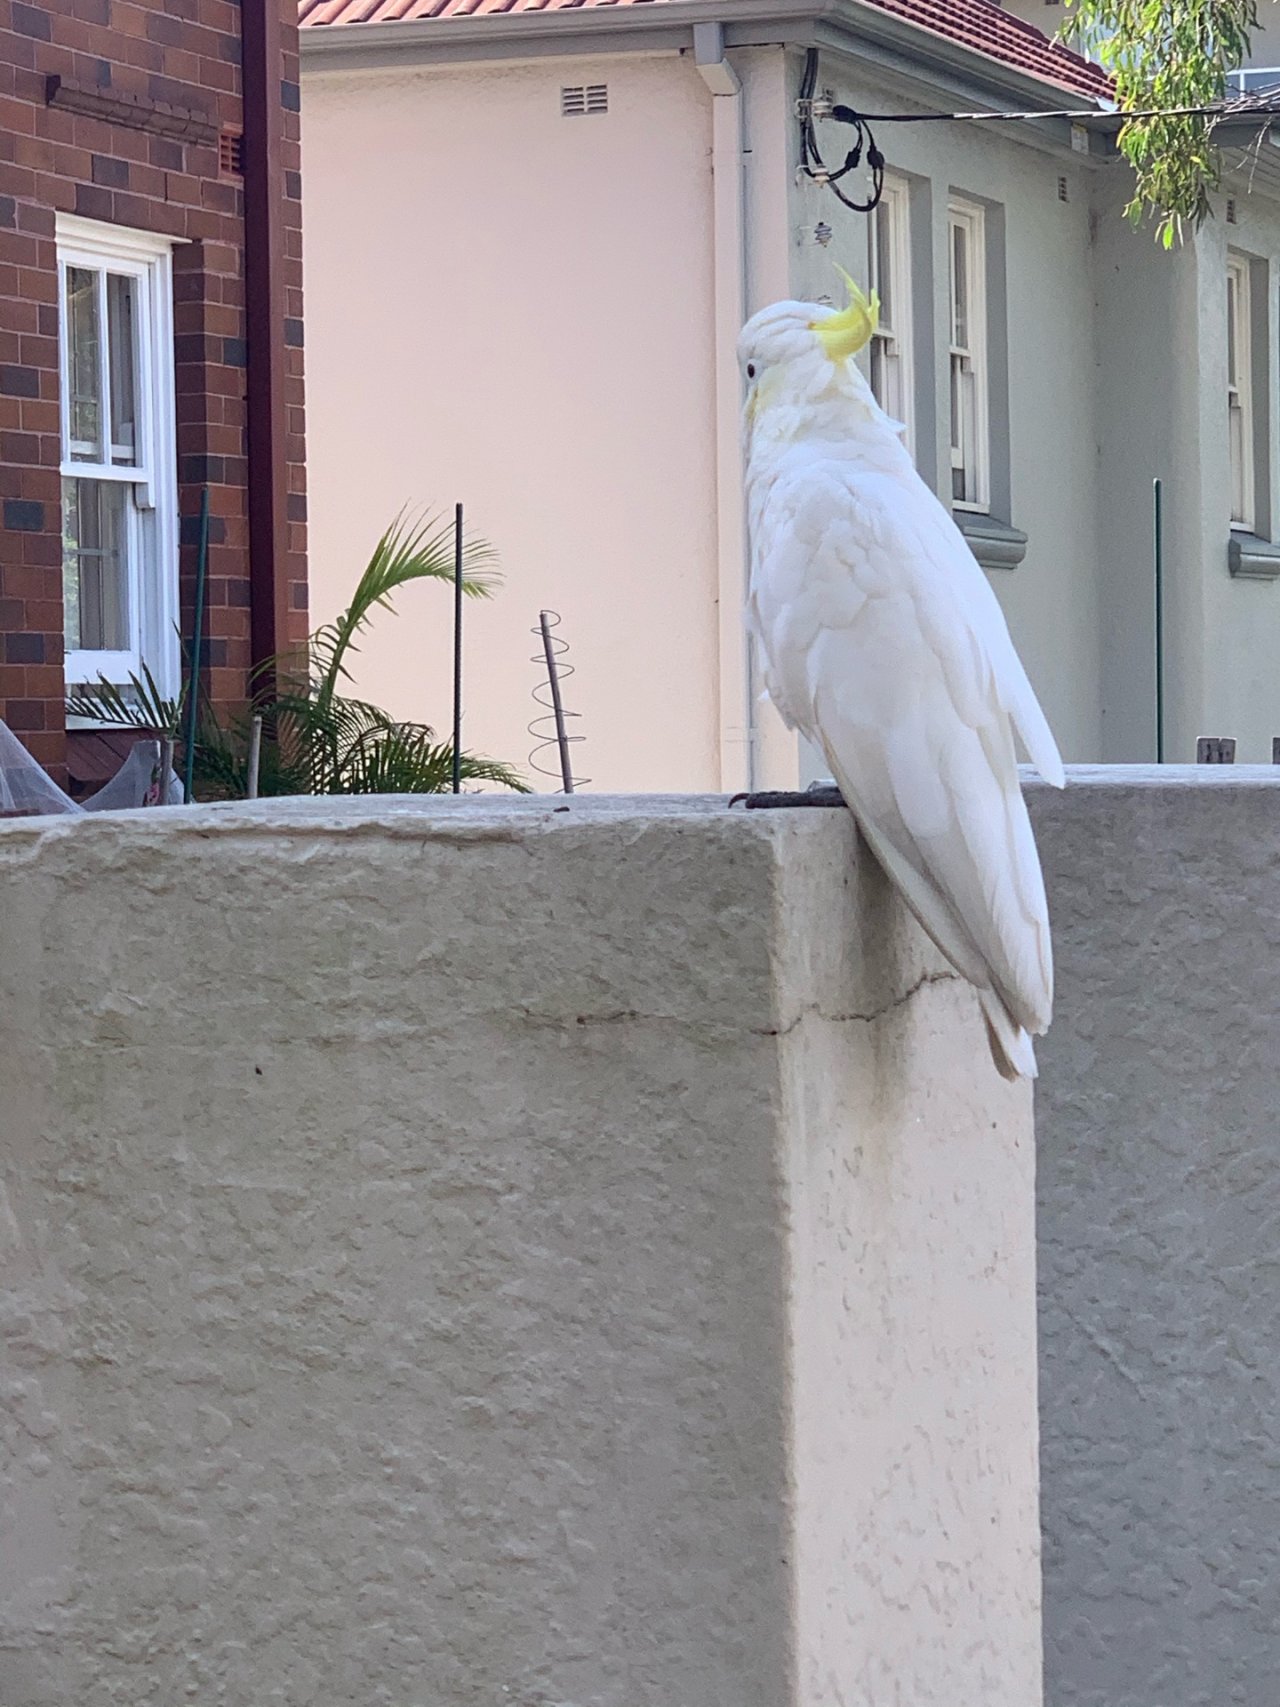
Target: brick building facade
[{"x": 150, "y": 347}]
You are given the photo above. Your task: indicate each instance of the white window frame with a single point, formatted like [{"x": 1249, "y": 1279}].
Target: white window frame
[
  {"x": 970, "y": 219},
  {"x": 892, "y": 341},
  {"x": 151, "y": 480},
  {"x": 1239, "y": 309}
]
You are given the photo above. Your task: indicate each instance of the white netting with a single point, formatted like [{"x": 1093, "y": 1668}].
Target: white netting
[
  {"x": 26, "y": 791},
  {"x": 136, "y": 783}
]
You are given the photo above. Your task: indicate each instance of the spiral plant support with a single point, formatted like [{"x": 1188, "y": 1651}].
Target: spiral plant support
[{"x": 549, "y": 729}]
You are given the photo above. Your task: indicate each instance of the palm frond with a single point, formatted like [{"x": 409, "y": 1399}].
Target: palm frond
[
  {"x": 315, "y": 739},
  {"x": 404, "y": 759},
  {"x": 408, "y": 551},
  {"x": 137, "y": 705}
]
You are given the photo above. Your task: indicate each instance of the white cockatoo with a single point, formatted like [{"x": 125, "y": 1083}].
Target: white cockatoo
[{"x": 883, "y": 644}]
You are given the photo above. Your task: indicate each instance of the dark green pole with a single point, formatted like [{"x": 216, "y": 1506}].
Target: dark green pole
[
  {"x": 1157, "y": 495},
  {"x": 457, "y": 650},
  {"x": 197, "y": 638}
]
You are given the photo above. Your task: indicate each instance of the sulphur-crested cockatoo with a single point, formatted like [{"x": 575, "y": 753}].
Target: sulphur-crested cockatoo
[{"x": 883, "y": 644}]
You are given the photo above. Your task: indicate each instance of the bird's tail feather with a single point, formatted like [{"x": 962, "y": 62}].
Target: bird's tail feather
[{"x": 1011, "y": 1048}]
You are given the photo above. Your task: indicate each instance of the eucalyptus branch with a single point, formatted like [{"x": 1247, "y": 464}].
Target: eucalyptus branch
[{"x": 1167, "y": 54}]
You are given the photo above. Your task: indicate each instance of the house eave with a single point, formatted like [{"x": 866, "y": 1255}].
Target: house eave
[
  {"x": 667, "y": 27},
  {"x": 843, "y": 26}
]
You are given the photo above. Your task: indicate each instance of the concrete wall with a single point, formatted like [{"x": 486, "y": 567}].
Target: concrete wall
[
  {"x": 1157, "y": 1133},
  {"x": 513, "y": 309},
  {"x": 460, "y": 1256}
]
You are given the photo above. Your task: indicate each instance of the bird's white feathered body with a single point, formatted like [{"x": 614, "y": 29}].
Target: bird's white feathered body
[{"x": 882, "y": 642}]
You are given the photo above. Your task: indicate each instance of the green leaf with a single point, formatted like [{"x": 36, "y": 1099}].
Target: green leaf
[
  {"x": 1164, "y": 55},
  {"x": 143, "y": 706}
]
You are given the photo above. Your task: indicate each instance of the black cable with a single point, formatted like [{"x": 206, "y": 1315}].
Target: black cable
[
  {"x": 846, "y": 115},
  {"x": 811, "y": 161},
  {"x": 864, "y": 145}
]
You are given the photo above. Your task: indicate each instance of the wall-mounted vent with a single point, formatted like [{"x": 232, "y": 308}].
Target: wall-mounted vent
[
  {"x": 1064, "y": 191},
  {"x": 577, "y": 100},
  {"x": 231, "y": 154},
  {"x": 1231, "y": 212}
]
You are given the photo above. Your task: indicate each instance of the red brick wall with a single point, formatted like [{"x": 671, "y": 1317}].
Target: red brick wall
[{"x": 185, "y": 53}]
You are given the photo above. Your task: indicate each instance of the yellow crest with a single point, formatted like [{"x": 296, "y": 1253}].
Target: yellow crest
[{"x": 842, "y": 335}]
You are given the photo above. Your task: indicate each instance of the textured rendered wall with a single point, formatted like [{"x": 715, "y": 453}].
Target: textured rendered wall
[
  {"x": 1158, "y": 1126},
  {"x": 503, "y": 1255}
]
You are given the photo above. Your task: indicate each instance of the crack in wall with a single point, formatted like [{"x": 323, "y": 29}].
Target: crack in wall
[{"x": 813, "y": 1010}]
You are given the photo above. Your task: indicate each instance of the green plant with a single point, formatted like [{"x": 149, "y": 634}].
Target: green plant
[
  {"x": 140, "y": 706},
  {"x": 316, "y": 739},
  {"x": 1167, "y": 56}
]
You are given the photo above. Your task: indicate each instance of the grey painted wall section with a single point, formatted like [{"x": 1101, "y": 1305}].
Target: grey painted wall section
[
  {"x": 1111, "y": 353},
  {"x": 1046, "y": 457},
  {"x": 1161, "y": 389},
  {"x": 1158, "y": 1121},
  {"x": 464, "y": 1255}
]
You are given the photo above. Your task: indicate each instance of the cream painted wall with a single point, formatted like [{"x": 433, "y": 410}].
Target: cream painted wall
[{"x": 513, "y": 309}]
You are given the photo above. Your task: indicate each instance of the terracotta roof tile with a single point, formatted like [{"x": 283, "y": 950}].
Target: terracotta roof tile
[
  {"x": 977, "y": 25},
  {"x": 987, "y": 29}
]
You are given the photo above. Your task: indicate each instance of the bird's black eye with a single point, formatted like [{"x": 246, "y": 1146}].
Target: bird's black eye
[{"x": 751, "y": 370}]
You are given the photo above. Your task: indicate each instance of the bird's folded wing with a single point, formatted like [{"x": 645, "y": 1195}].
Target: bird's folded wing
[
  {"x": 969, "y": 585},
  {"x": 908, "y": 711}
]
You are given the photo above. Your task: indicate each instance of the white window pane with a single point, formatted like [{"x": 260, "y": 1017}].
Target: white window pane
[
  {"x": 960, "y": 286},
  {"x": 1240, "y": 438},
  {"x": 964, "y": 430},
  {"x": 886, "y": 377},
  {"x": 885, "y": 283},
  {"x": 95, "y": 570},
  {"x": 1239, "y": 492},
  {"x": 122, "y": 366},
  {"x": 84, "y": 365}
]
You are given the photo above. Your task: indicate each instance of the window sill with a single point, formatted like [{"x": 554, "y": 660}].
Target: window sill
[
  {"x": 98, "y": 724},
  {"x": 1252, "y": 559},
  {"x": 995, "y": 544}
]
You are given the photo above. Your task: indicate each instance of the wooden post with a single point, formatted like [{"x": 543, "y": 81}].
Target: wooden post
[{"x": 255, "y": 758}]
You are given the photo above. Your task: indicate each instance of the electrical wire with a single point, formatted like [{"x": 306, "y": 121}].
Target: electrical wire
[
  {"x": 811, "y": 161},
  {"x": 846, "y": 115},
  {"x": 865, "y": 149}
]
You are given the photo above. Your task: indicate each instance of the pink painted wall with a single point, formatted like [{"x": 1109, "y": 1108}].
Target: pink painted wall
[{"x": 514, "y": 308}]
